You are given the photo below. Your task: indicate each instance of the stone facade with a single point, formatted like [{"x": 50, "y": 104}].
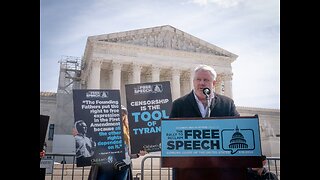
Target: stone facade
[
  {"x": 161, "y": 53},
  {"x": 269, "y": 122},
  {"x": 154, "y": 54}
]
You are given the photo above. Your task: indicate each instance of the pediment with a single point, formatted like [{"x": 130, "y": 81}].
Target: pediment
[{"x": 164, "y": 37}]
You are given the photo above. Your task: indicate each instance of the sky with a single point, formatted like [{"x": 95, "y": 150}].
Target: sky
[{"x": 247, "y": 28}]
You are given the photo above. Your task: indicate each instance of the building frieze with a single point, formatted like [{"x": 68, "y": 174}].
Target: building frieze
[
  {"x": 137, "y": 52},
  {"x": 164, "y": 37}
]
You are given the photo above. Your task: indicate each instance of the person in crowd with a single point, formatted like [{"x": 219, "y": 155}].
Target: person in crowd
[
  {"x": 43, "y": 152},
  {"x": 120, "y": 170},
  {"x": 198, "y": 104},
  {"x": 84, "y": 145},
  {"x": 261, "y": 173}
]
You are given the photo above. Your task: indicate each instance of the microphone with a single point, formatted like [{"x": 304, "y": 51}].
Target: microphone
[{"x": 206, "y": 91}]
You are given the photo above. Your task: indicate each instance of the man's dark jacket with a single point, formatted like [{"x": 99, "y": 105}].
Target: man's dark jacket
[{"x": 187, "y": 106}]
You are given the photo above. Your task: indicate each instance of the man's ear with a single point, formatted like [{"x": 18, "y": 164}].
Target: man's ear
[{"x": 214, "y": 82}]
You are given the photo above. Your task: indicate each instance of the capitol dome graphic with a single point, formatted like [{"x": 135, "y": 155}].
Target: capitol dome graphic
[{"x": 237, "y": 141}]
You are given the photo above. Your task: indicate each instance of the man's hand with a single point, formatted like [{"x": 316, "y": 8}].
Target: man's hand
[{"x": 142, "y": 153}]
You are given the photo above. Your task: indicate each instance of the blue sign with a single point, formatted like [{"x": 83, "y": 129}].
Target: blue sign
[
  {"x": 147, "y": 104},
  {"x": 210, "y": 137},
  {"x": 98, "y": 128}
]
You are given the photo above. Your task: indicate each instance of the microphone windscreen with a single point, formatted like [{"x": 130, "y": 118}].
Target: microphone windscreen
[{"x": 206, "y": 91}]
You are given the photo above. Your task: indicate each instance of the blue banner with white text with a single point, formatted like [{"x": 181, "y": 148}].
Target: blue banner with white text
[
  {"x": 147, "y": 104},
  {"x": 211, "y": 137},
  {"x": 98, "y": 127}
]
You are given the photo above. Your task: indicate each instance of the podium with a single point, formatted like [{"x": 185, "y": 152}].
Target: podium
[
  {"x": 215, "y": 148},
  {"x": 217, "y": 168}
]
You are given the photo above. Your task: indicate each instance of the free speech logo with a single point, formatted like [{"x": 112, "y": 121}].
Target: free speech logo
[
  {"x": 235, "y": 140},
  {"x": 145, "y": 89}
]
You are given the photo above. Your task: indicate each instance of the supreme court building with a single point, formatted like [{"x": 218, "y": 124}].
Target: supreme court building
[{"x": 162, "y": 53}]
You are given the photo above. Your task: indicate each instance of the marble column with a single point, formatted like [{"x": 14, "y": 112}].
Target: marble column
[
  {"x": 116, "y": 75},
  {"x": 184, "y": 82},
  {"x": 191, "y": 78},
  {"x": 136, "y": 73},
  {"x": 175, "y": 85},
  {"x": 227, "y": 79},
  {"x": 218, "y": 88},
  {"x": 155, "y": 74},
  {"x": 94, "y": 76}
]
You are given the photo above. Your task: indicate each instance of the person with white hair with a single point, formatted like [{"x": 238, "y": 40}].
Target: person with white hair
[{"x": 202, "y": 102}]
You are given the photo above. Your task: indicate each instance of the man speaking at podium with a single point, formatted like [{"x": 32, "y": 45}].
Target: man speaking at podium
[{"x": 202, "y": 102}]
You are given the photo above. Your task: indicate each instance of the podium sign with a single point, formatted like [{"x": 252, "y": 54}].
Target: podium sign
[{"x": 227, "y": 142}]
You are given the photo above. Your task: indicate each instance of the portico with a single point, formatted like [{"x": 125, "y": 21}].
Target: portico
[{"x": 113, "y": 60}]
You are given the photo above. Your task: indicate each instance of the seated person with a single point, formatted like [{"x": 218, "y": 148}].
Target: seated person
[{"x": 261, "y": 173}]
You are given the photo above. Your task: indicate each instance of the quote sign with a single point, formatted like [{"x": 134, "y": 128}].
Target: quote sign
[
  {"x": 147, "y": 104},
  {"x": 210, "y": 137},
  {"x": 98, "y": 126}
]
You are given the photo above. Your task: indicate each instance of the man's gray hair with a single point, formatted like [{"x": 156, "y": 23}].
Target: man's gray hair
[{"x": 204, "y": 67}]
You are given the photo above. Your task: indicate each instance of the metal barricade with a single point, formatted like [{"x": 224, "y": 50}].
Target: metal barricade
[
  {"x": 155, "y": 171},
  {"x": 64, "y": 168},
  {"x": 273, "y": 165}
]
